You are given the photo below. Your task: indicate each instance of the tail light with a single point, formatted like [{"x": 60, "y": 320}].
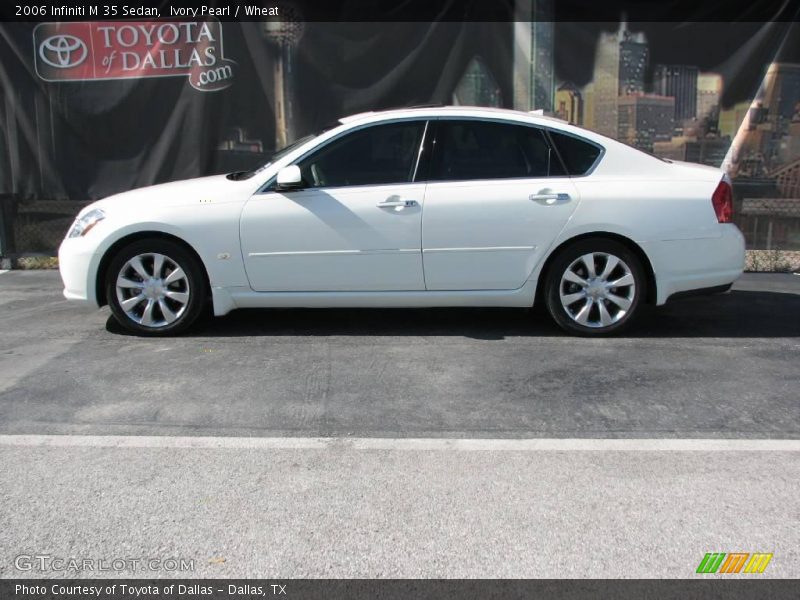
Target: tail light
[{"x": 723, "y": 202}]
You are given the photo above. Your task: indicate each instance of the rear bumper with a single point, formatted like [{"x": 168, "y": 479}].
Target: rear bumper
[{"x": 696, "y": 265}]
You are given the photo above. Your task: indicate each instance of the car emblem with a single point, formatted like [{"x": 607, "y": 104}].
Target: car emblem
[{"x": 63, "y": 51}]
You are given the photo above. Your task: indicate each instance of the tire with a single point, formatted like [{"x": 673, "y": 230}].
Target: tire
[
  {"x": 583, "y": 302},
  {"x": 170, "y": 302}
]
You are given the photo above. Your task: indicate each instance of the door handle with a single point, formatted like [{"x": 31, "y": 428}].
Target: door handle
[
  {"x": 548, "y": 197},
  {"x": 392, "y": 203}
]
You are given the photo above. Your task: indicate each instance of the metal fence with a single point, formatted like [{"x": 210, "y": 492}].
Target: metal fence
[
  {"x": 770, "y": 225},
  {"x": 34, "y": 227}
]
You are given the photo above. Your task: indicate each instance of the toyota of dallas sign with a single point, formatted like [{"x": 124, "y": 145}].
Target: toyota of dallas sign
[{"x": 104, "y": 50}]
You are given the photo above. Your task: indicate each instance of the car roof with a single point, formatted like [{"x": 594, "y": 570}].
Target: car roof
[{"x": 471, "y": 112}]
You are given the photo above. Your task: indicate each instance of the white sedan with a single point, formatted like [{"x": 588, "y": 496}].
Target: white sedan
[{"x": 415, "y": 208}]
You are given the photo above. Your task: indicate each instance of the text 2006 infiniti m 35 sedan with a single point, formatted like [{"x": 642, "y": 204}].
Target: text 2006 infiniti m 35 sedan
[{"x": 419, "y": 207}]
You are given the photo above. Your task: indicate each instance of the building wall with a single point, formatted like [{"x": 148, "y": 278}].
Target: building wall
[
  {"x": 534, "y": 76},
  {"x": 606, "y": 84},
  {"x": 619, "y": 69},
  {"x": 731, "y": 119},
  {"x": 645, "y": 119},
  {"x": 569, "y": 105},
  {"x": 788, "y": 180},
  {"x": 588, "y": 106},
  {"x": 782, "y": 91},
  {"x": 680, "y": 82},
  {"x": 709, "y": 93},
  {"x": 633, "y": 55}
]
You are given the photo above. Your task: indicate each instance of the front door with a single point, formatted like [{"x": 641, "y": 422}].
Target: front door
[{"x": 354, "y": 226}]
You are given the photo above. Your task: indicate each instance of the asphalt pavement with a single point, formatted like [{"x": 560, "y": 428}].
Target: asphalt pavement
[
  {"x": 721, "y": 366},
  {"x": 404, "y": 443}
]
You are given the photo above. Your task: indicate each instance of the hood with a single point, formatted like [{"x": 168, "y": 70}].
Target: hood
[{"x": 216, "y": 188}]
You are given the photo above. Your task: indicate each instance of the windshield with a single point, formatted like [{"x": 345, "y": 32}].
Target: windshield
[{"x": 239, "y": 175}]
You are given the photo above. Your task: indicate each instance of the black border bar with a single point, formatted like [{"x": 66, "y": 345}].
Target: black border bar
[
  {"x": 732, "y": 588},
  {"x": 432, "y": 10}
]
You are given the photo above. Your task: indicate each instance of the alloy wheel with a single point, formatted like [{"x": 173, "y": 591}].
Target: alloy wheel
[
  {"x": 597, "y": 289},
  {"x": 153, "y": 290}
]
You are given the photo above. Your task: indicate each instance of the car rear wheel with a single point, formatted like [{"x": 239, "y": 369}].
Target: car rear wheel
[
  {"x": 155, "y": 287},
  {"x": 595, "y": 287}
]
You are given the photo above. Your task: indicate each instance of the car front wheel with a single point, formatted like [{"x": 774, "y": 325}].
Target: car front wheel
[
  {"x": 595, "y": 287},
  {"x": 155, "y": 287}
]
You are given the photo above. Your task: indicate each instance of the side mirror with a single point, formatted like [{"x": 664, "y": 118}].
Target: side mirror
[{"x": 289, "y": 178}]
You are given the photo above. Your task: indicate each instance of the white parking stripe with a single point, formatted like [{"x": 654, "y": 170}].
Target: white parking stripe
[
  {"x": 3, "y": 271},
  {"x": 513, "y": 445}
]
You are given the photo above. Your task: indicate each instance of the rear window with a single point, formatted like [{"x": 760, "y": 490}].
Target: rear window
[
  {"x": 578, "y": 155},
  {"x": 474, "y": 149}
]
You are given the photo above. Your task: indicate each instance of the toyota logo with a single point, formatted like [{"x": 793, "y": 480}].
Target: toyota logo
[{"x": 63, "y": 51}]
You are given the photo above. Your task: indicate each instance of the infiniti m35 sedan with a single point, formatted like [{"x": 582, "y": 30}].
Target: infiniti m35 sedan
[{"x": 422, "y": 207}]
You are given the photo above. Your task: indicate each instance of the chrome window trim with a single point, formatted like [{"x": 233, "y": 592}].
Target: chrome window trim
[{"x": 427, "y": 120}]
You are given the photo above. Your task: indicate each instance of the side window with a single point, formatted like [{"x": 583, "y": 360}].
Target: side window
[
  {"x": 468, "y": 150},
  {"x": 578, "y": 155},
  {"x": 369, "y": 156}
]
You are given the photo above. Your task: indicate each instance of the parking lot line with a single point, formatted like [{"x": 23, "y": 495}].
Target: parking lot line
[
  {"x": 3, "y": 271},
  {"x": 457, "y": 444}
]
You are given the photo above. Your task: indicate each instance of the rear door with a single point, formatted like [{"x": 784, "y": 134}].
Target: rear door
[{"x": 497, "y": 196}]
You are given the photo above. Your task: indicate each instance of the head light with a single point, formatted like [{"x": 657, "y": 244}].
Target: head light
[{"x": 83, "y": 224}]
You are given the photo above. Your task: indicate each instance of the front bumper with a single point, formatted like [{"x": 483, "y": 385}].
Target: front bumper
[{"x": 77, "y": 265}]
